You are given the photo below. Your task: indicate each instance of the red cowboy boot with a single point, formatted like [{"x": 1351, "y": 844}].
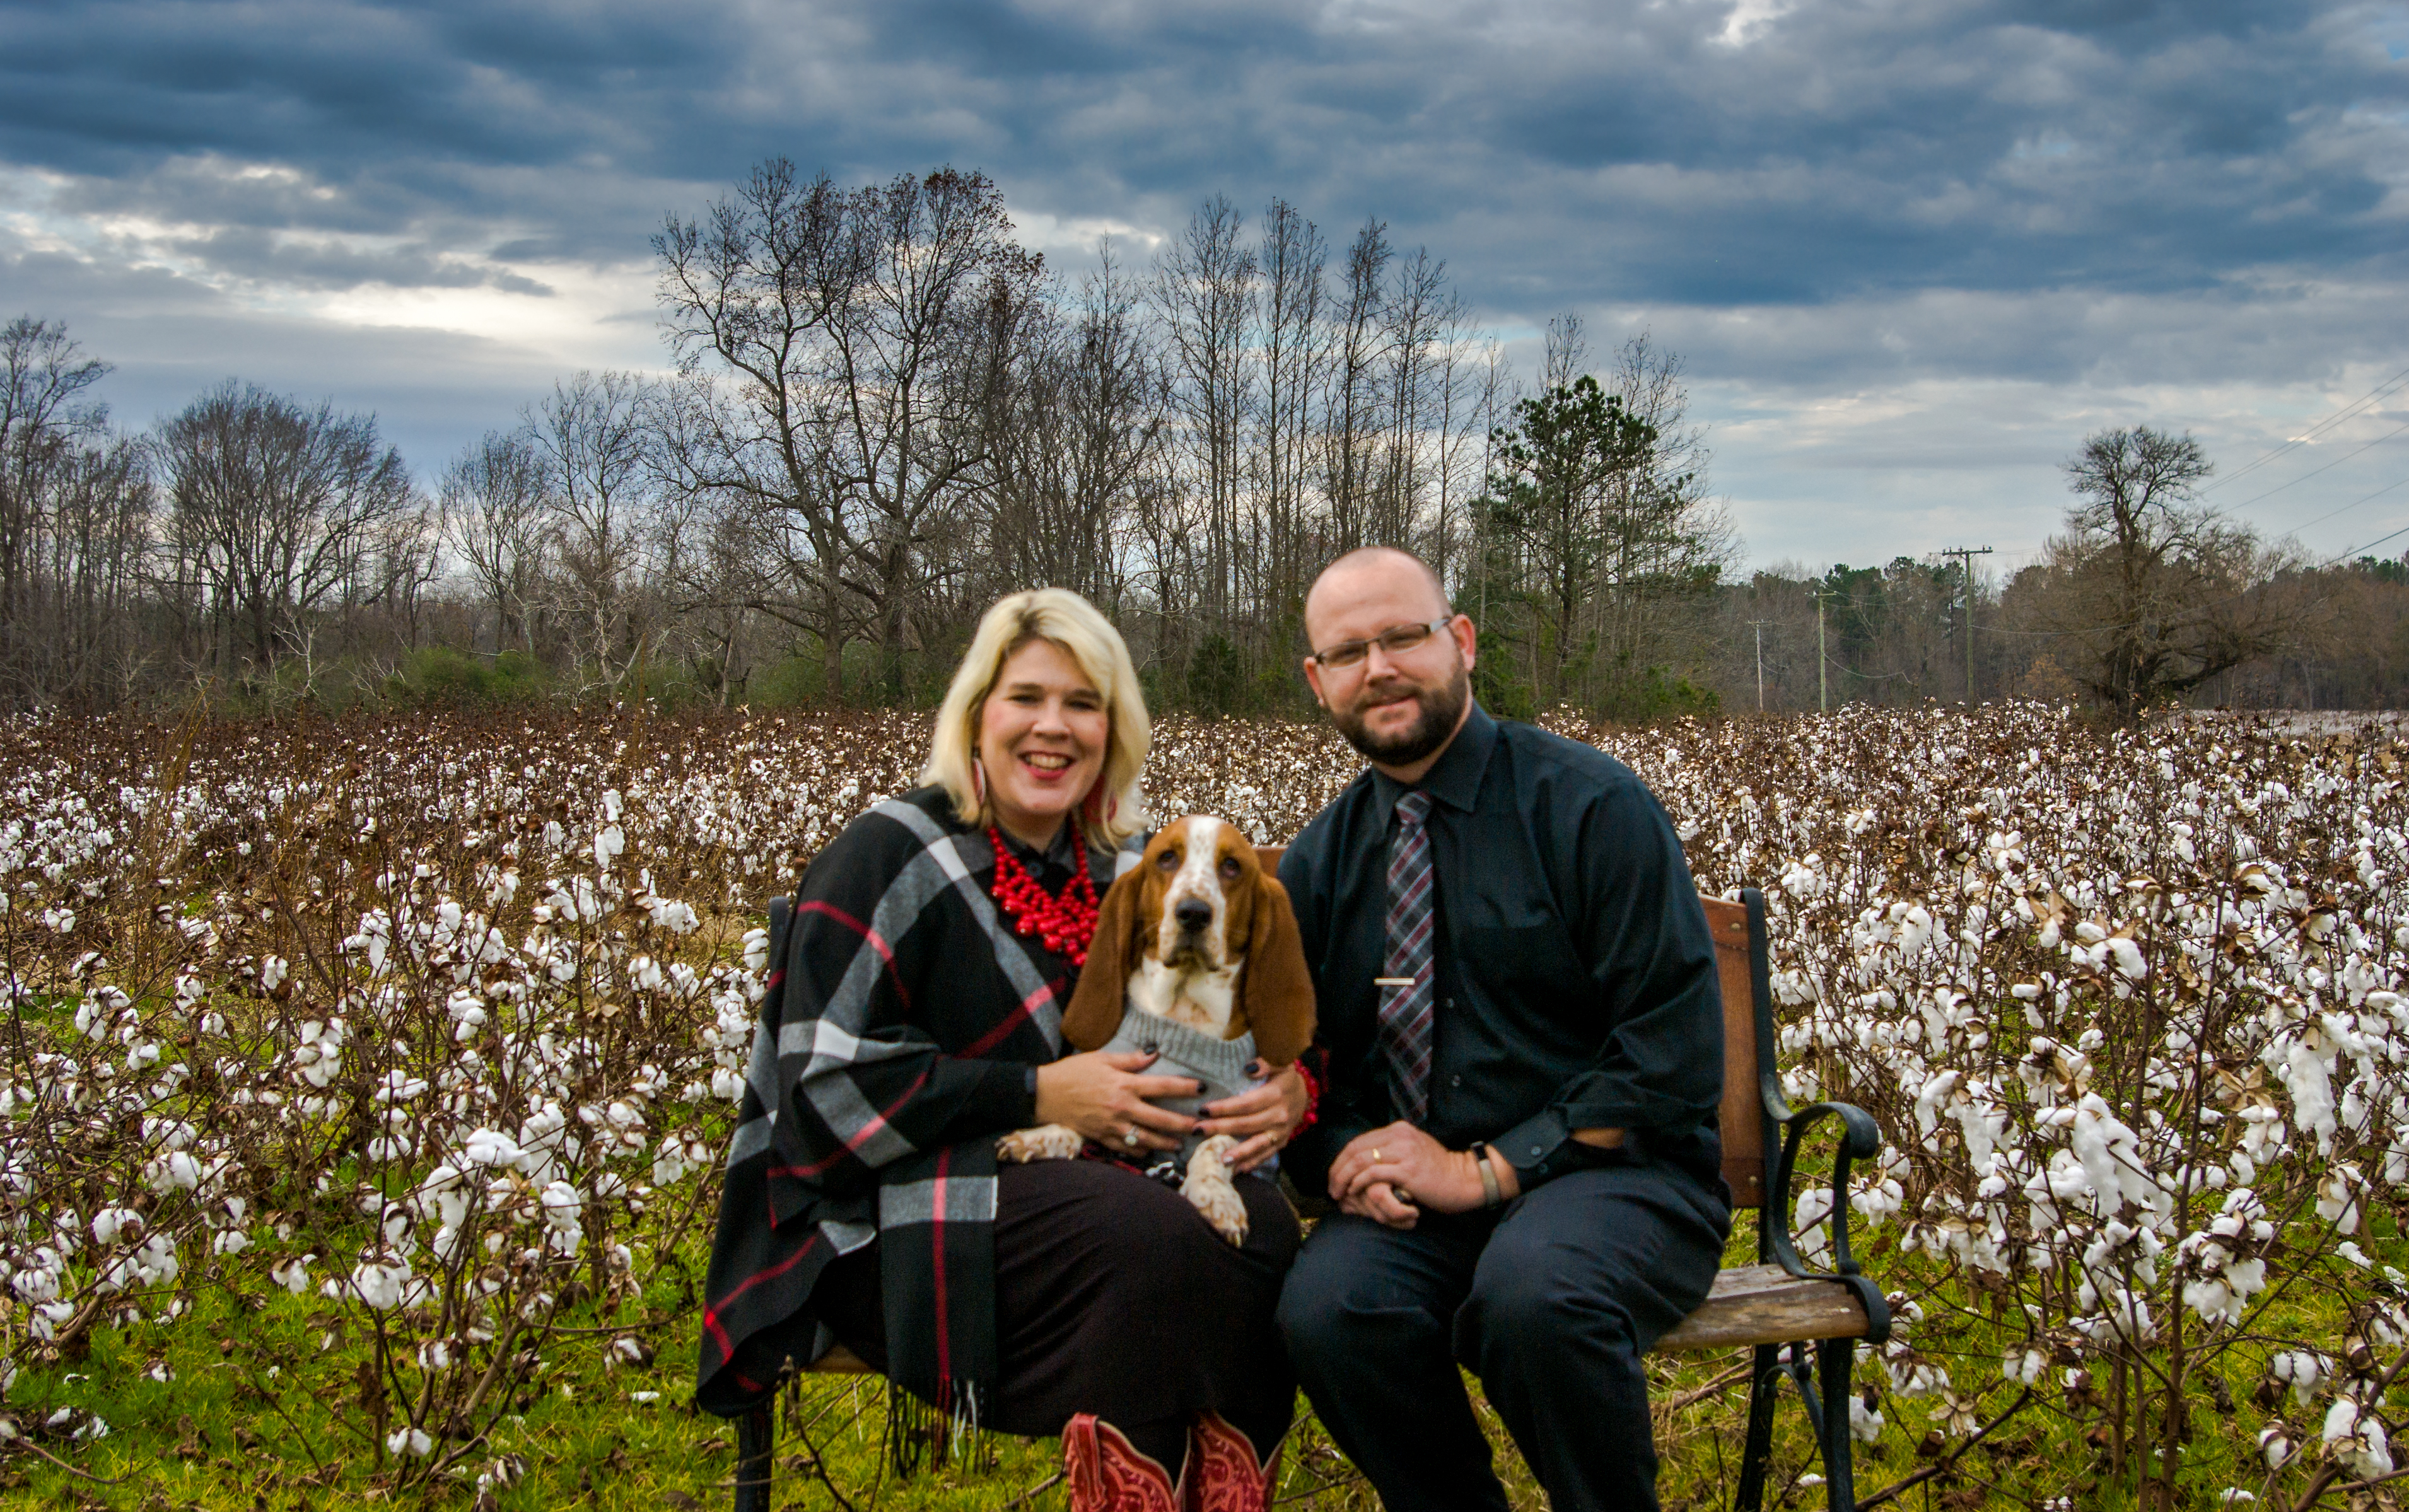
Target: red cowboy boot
[
  {"x": 1106, "y": 1474},
  {"x": 1224, "y": 1475}
]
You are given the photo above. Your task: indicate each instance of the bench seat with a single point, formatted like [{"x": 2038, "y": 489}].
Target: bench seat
[{"x": 1750, "y": 1304}]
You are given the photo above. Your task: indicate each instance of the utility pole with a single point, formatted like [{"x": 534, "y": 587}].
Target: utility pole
[
  {"x": 1966, "y": 555},
  {"x": 1759, "y": 625},
  {"x": 1823, "y": 662}
]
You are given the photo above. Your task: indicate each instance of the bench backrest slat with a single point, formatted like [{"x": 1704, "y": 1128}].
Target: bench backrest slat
[{"x": 1742, "y": 1117}]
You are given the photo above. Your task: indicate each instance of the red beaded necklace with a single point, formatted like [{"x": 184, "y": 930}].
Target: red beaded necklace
[{"x": 1065, "y": 925}]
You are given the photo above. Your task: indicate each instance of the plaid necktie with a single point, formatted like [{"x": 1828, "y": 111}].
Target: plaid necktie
[{"x": 1406, "y": 1018}]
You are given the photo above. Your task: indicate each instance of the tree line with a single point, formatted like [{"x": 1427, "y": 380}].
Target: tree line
[{"x": 879, "y": 411}]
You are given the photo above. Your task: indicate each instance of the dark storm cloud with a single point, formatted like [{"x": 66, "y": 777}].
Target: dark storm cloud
[
  {"x": 1552, "y": 152},
  {"x": 1883, "y": 213}
]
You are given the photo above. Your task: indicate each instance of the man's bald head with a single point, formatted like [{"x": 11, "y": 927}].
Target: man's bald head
[{"x": 1392, "y": 573}]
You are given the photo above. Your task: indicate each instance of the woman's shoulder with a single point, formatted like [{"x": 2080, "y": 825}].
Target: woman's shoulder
[{"x": 881, "y": 840}]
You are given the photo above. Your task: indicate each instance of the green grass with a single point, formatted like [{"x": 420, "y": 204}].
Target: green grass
[{"x": 251, "y": 1418}]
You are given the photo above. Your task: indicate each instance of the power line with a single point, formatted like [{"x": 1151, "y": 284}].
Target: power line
[
  {"x": 2347, "y": 508},
  {"x": 2346, "y": 412},
  {"x": 2373, "y": 544},
  {"x": 2335, "y": 462}
]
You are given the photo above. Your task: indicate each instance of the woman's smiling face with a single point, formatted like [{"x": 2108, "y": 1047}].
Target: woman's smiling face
[{"x": 1042, "y": 735}]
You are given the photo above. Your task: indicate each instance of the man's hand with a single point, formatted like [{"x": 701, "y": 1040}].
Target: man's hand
[
  {"x": 1391, "y": 1173},
  {"x": 1264, "y": 1117}
]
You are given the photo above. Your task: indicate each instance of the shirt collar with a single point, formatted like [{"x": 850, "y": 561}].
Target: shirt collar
[
  {"x": 1454, "y": 778},
  {"x": 1060, "y": 856}
]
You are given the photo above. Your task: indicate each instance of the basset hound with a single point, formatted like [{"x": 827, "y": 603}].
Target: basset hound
[{"x": 1196, "y": 957}]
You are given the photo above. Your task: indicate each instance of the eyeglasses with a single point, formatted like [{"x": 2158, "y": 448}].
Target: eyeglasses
[{"x": 1395, "y": 640}]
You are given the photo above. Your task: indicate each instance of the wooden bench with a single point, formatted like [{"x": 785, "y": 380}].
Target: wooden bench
[{"x": 1778, "y": 1307}]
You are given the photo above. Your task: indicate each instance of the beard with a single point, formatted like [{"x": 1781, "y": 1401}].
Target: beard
[{"x": 1442, "y": 708}]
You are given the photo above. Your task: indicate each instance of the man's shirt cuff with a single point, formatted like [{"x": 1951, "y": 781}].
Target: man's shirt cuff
[{"x": 1537, "y": 1148}]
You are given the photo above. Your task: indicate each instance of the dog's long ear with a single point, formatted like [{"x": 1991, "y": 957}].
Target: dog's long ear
[
  {"x": 1095, "y": 1011},
  {"x": 1275, "y": 990}
]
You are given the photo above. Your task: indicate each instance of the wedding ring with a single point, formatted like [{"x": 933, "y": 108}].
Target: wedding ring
[
  {"x": 1128, "y": 1137},
  {"x": 1376, "y": 1157},
  {"x": 1403, "y": 1196}
]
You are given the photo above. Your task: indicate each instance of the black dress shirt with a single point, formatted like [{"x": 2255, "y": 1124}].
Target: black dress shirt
[{"x": 1575, "y": 973}]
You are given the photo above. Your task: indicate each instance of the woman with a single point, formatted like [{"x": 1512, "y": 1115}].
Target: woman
[{"x": 917, "y": 1018}]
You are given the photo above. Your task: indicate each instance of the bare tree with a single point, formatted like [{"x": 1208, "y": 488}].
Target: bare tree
[
  {"x": 590, "y": 435},
  {"x": 277, "y": 515},
  {"x": 1203, "y": 291},
  {"x": 496, "y": 501},
  {"x": 2155, "y": 592},
  {"x": 1081, "y": 425},
  {"x": 1352, "y": 410},
  {"x": 75, "y": 505},
  {"x": 750, "y": 293},
  {"x": 1294, "y": 347}
]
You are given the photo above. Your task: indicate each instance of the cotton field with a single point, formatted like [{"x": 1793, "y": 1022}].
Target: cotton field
[{"x": 431, "y": 1027}]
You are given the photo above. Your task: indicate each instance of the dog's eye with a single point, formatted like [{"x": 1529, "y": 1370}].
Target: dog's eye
[
  {"x": 1230, "y": 869},
  {"x": 1168, "y": 860}
]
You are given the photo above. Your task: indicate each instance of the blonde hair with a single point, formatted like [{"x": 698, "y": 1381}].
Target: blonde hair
[{"x": 1088, "y": 638}]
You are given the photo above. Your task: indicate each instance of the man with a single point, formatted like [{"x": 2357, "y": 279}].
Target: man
[{"x": 1517, "y": 990}]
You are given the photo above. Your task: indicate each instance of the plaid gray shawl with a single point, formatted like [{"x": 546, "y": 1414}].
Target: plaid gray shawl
[{"x": 894, "y": 1043}]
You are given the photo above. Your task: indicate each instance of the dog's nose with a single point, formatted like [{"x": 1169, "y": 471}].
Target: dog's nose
[{"x": 1193, "y": 914}]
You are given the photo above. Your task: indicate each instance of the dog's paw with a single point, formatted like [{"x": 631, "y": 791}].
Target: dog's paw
[
  {"x": 1207, "y": 1189},
  {"x": 1046, "y": 1141}
]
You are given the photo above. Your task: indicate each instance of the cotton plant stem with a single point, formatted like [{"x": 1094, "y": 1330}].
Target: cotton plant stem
[{"x": 1943, "y": 1465}]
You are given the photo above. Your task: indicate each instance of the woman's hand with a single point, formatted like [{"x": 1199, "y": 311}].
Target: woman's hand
[
  {"x": 1263, "y": 1118},
  {"x": 1099, "y": 1094}
]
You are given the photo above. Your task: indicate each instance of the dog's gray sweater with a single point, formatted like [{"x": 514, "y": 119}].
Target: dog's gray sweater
[{"x": 1220, "y": 1064}]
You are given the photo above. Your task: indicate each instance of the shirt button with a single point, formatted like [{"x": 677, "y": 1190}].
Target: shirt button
[
  {"x": 1455, "y": 1080},
  {"x": 1534, "y": 1149}
]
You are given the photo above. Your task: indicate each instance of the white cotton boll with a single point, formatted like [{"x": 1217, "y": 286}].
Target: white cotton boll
[
  {"x": 1865, "y": 1423},
  {"x": 757, "y": 949},
  {"x": 491, "y": 1148},
  {"x": 231, "y": 1242},
  {"x": 562, "y": 1206},
  {"x": 2275, "y": 1446},
  {"x": 411, "y": 1441},
  {"x": 380, "y": 1286},
  {"x": 2356, "y": 1439},
  {"x": 2337, "y": 1202},
  {"x": 2127, "y": 957},
  {"x": 291, "y": 1275}
]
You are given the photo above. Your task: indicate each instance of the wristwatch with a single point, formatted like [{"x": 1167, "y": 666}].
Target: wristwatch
[{"x": 1490, "y": 1193}]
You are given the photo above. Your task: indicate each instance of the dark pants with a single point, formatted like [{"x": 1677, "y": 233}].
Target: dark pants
[{"x": 1551, "y": 1301}]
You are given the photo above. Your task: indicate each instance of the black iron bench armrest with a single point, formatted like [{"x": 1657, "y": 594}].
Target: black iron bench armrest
[{"x": 1860, "y": 1140}]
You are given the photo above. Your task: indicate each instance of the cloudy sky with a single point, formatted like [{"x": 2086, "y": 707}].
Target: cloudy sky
[{"x": 1911, "y": 250}]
